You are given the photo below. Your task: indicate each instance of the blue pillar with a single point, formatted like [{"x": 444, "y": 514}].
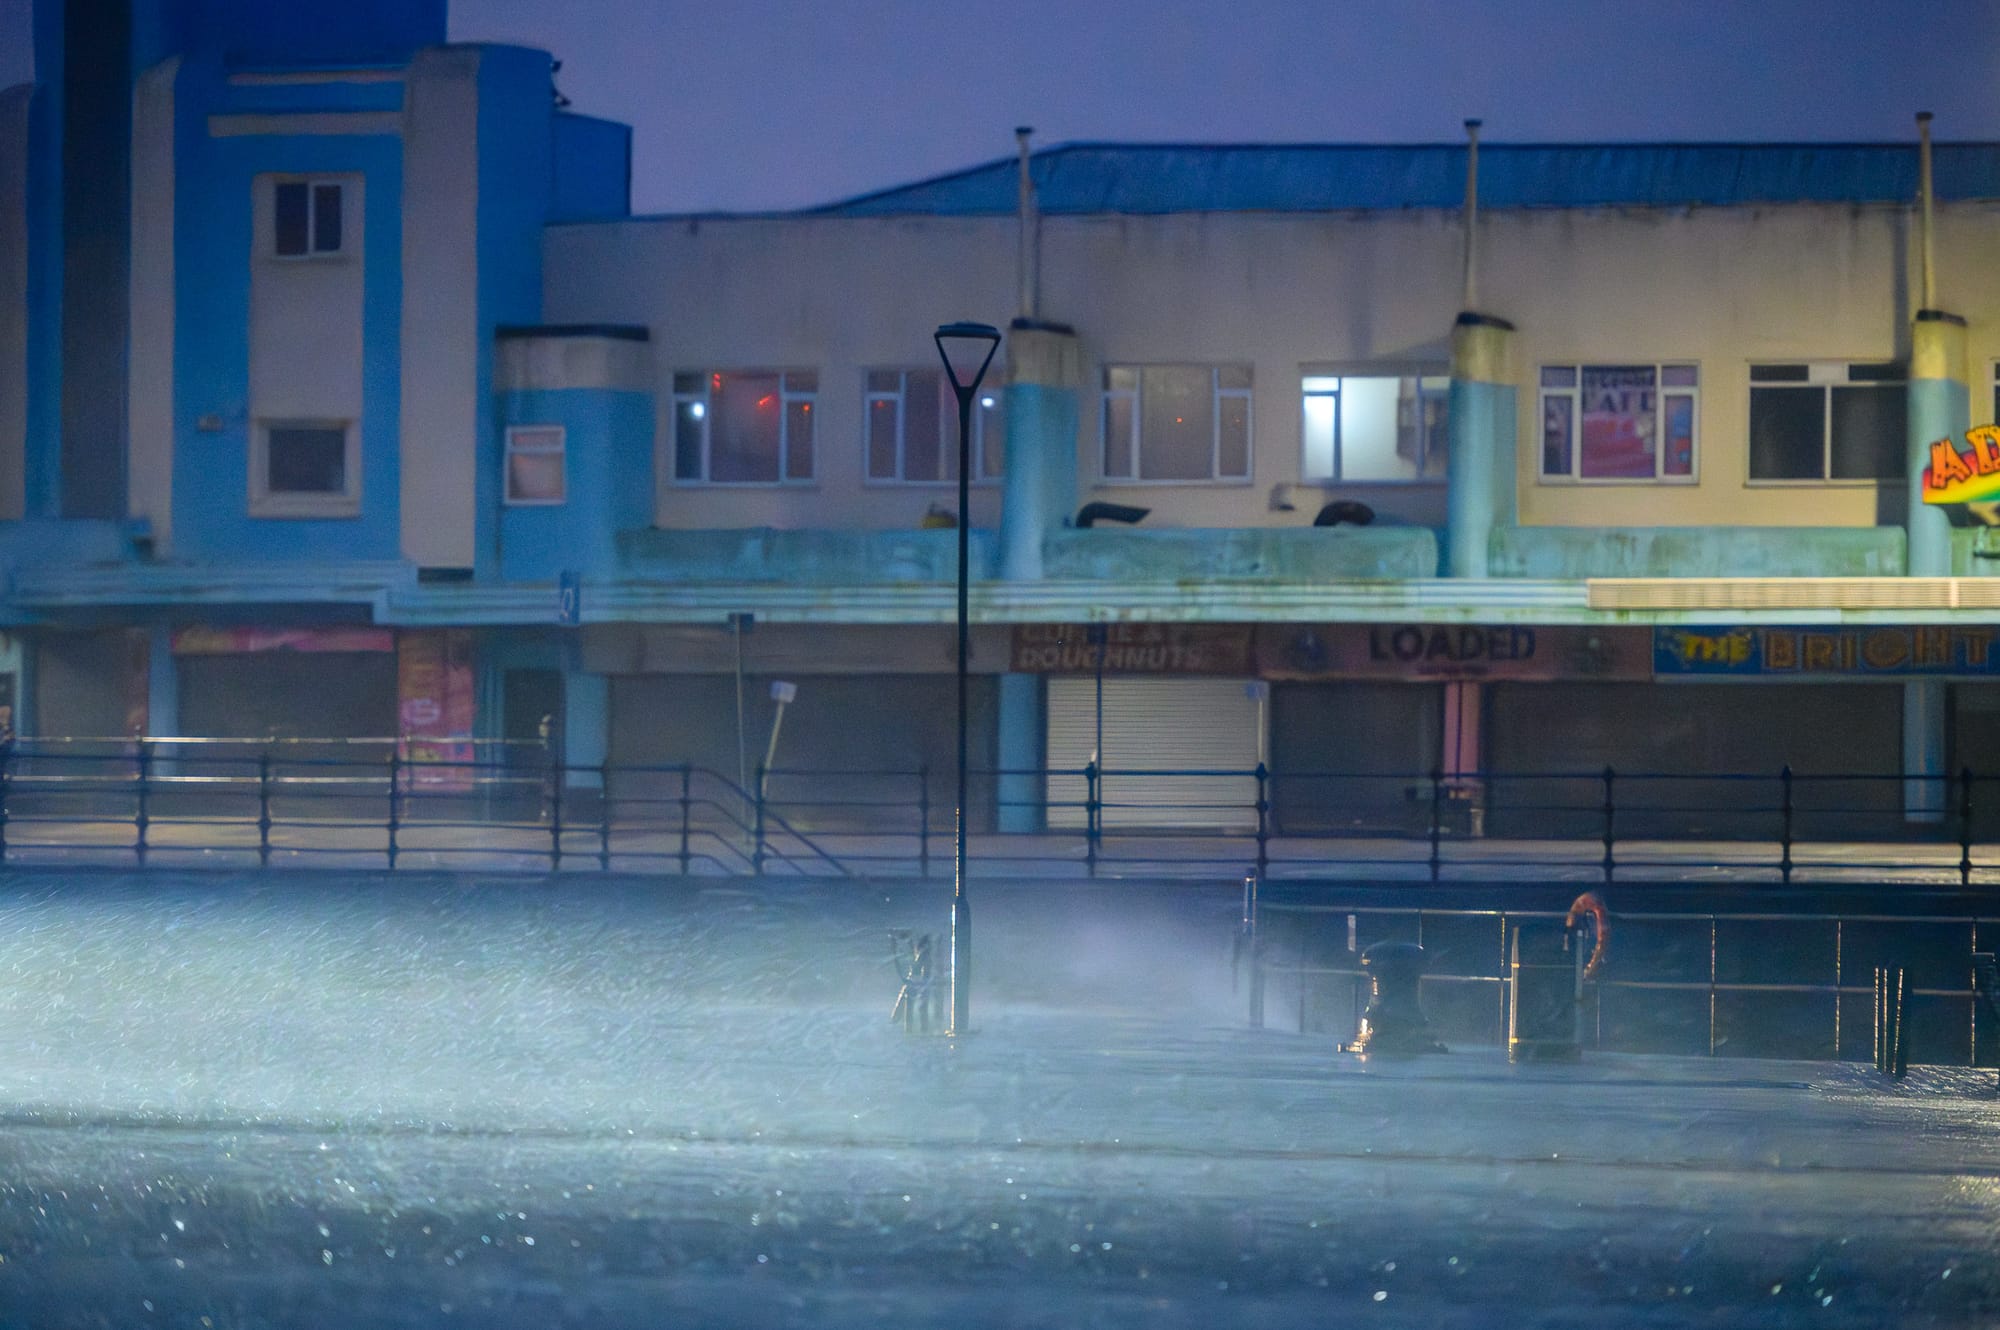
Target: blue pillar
[
  {"x": 1039, "y": 495},
  {"x": 586, "y": 726},
  {"x": 163, "y": 683},
  {"x": 1940, "y": 407},
  {"x": 1021, "y": 747},
  {"x": 1480, "y": 466}
]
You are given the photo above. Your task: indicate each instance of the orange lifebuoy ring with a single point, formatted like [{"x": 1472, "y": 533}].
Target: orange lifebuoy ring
[{"x": 1590, "y": 903}]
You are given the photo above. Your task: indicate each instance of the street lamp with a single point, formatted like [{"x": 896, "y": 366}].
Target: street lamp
[{"x": 966, "y": 349}]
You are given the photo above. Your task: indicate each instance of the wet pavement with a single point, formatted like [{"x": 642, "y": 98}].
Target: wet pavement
[{"x": 426, "y": 1102}]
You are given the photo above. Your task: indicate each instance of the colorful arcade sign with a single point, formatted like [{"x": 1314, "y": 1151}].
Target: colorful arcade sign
[
  {"x": 1965, "y": 475},
  {"x": 1885, "y": 652}
]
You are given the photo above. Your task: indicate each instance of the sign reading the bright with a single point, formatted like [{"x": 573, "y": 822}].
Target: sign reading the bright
[{"x": 1971, "y": 475}]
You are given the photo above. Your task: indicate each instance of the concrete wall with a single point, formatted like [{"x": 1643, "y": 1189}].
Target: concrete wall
[
  {"x": 222, "y": 167},
  {"x": 1722, "y": 287}
]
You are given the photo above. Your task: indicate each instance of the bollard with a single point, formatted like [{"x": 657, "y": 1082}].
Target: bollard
[
  {"x": 1249, "y": 950},
  {"x": 1394, "y": 1022},
  {"x": 1892, "y": 1054},
  {"x": 1545, "y": 985}
]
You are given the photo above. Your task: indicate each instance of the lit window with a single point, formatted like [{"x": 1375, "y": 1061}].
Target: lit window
[
  {"x": 1827, "y": 421},
  {"x": 911, "y": 419},
  {"x": 535, "y": 472},
  {"x": 306, "y": 218},
  {"x": 1374, "y": 427},
  {"x": 1619, "y": 422},
  {"x": 1176, "y": 422},
  {"x": 749, "y": 427},
  {"x": 305, "y": 468}
]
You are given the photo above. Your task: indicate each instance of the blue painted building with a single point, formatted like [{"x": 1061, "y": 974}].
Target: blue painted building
[{"x": 341, "y": 395}]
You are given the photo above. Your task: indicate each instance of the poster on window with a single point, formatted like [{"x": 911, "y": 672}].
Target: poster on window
[
  {"x": 1618, "y": 421},
  {"x": 434, "y": 707}
]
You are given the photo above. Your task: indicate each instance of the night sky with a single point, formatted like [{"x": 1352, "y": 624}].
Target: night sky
[{"x": 745, "y": 104}]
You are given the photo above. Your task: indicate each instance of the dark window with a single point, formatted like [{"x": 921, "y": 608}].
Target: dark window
[
  {"x": 291, "y": 219},
  {"x": 307, "y": 459},
  {"x": 326, "y": 219},
  {"x": 1827, "y": 421}
]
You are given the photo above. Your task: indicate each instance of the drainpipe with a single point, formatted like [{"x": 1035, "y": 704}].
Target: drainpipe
[
  {"x": 1029, "y": 262},
  {"x": 1480, "y": 467},
  {"x": 1940, "y": 407}
]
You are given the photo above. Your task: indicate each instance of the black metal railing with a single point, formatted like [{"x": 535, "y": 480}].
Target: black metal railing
[
  {"x": 394, "y": 802},
  {"x": 1718, "y": 983}
]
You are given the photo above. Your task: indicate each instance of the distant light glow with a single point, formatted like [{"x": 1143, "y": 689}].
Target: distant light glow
[
  {"x": 986, "y": 402},
  {"x": 697, "y": 409}
]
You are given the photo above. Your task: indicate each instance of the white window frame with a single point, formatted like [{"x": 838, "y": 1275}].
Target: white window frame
[
  {"x": 949, "y": 427},
  {"x": 516, "y": 447},
  {"x": 787, "y": 396},
  {"x": 266, "y": 502},
  {"x": 1822, "y": 376},
  {"x": 1217, "y": 396},
  {"x": 1661, "y": 392},
  {"x": 1419, "y": 373},
  {"x": 312, "y": 184}
]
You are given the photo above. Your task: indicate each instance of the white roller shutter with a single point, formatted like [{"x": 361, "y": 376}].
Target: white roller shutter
[{"x": 1155, "y": 725}]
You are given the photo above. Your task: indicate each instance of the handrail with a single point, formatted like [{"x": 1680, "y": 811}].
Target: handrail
[{"x": 71, "y": 792}]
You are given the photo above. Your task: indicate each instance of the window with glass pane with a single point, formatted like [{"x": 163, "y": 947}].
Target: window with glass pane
[
  {"x": 306, "y": 459},
  {"x": 306, "y": 217},
  {"x": 1620, "y": 422},
  {"x": 1827, "y": 421},
  {"x": 1374, "y": 427},
  {"x": 535, "y": 470},
  {"x": 1177, "y": 423},
  {"x": 912, "y": 428},
  {"x": 749, "y": 427}
]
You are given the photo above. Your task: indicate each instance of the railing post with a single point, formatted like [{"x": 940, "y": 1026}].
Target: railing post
[
  {"x": 1091, "y": 813},
  {"x": 1263, "y": 820},
  {"x": 264, "y": 808},
  {"x": 395, "y": 802},
  {"x": 1610, "y": 818},
  {"x": 1437, "y": 822},
  {"x": 687, "y": 804},
  {"x": 6, "y": 784},
  {"x": 1785, "y": 832},
  {"x": 757, "y": 849},
  {"x": 558, "y": 777},
  {"x": 143, "y": 818},
  {"x": 604, "y": 816},
  {"x": 1965, "y": 826},
  {"x": 924, "y": 821}
]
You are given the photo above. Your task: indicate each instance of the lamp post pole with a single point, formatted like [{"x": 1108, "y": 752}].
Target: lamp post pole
[{"x": 970, "y": 340}]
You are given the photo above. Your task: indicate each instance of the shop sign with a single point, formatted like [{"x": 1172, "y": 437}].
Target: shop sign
[
  {"x": 1132, "y": 648},
  {"x": 1449, "y": 652},
  {"x": 434, "y": 706},
  {"x": 1964, "y": 475},
  {"x": 203, "y": 641},
  {"x": 1881, "y": 652}
]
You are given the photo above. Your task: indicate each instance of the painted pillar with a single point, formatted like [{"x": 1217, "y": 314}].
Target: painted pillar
[
  {"x": 163, "y": 683},
  {"x": 1480, "y": 466},
  {"x": 586, "y": 726},
  {"x": 1940, "y": 407},
  {"x": 1038, "y": 496}
]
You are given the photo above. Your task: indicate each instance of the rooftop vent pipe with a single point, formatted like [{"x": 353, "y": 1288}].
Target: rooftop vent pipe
[{"x": 1029, "y": 262}]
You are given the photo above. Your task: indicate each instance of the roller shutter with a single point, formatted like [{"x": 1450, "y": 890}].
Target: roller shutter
[{"x": 1155, "y": 726}]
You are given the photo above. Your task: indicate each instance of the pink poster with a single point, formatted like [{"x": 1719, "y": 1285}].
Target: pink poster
[
  {"x": 434, "y": 706},
  {"x": 1619, "y": 422}
]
